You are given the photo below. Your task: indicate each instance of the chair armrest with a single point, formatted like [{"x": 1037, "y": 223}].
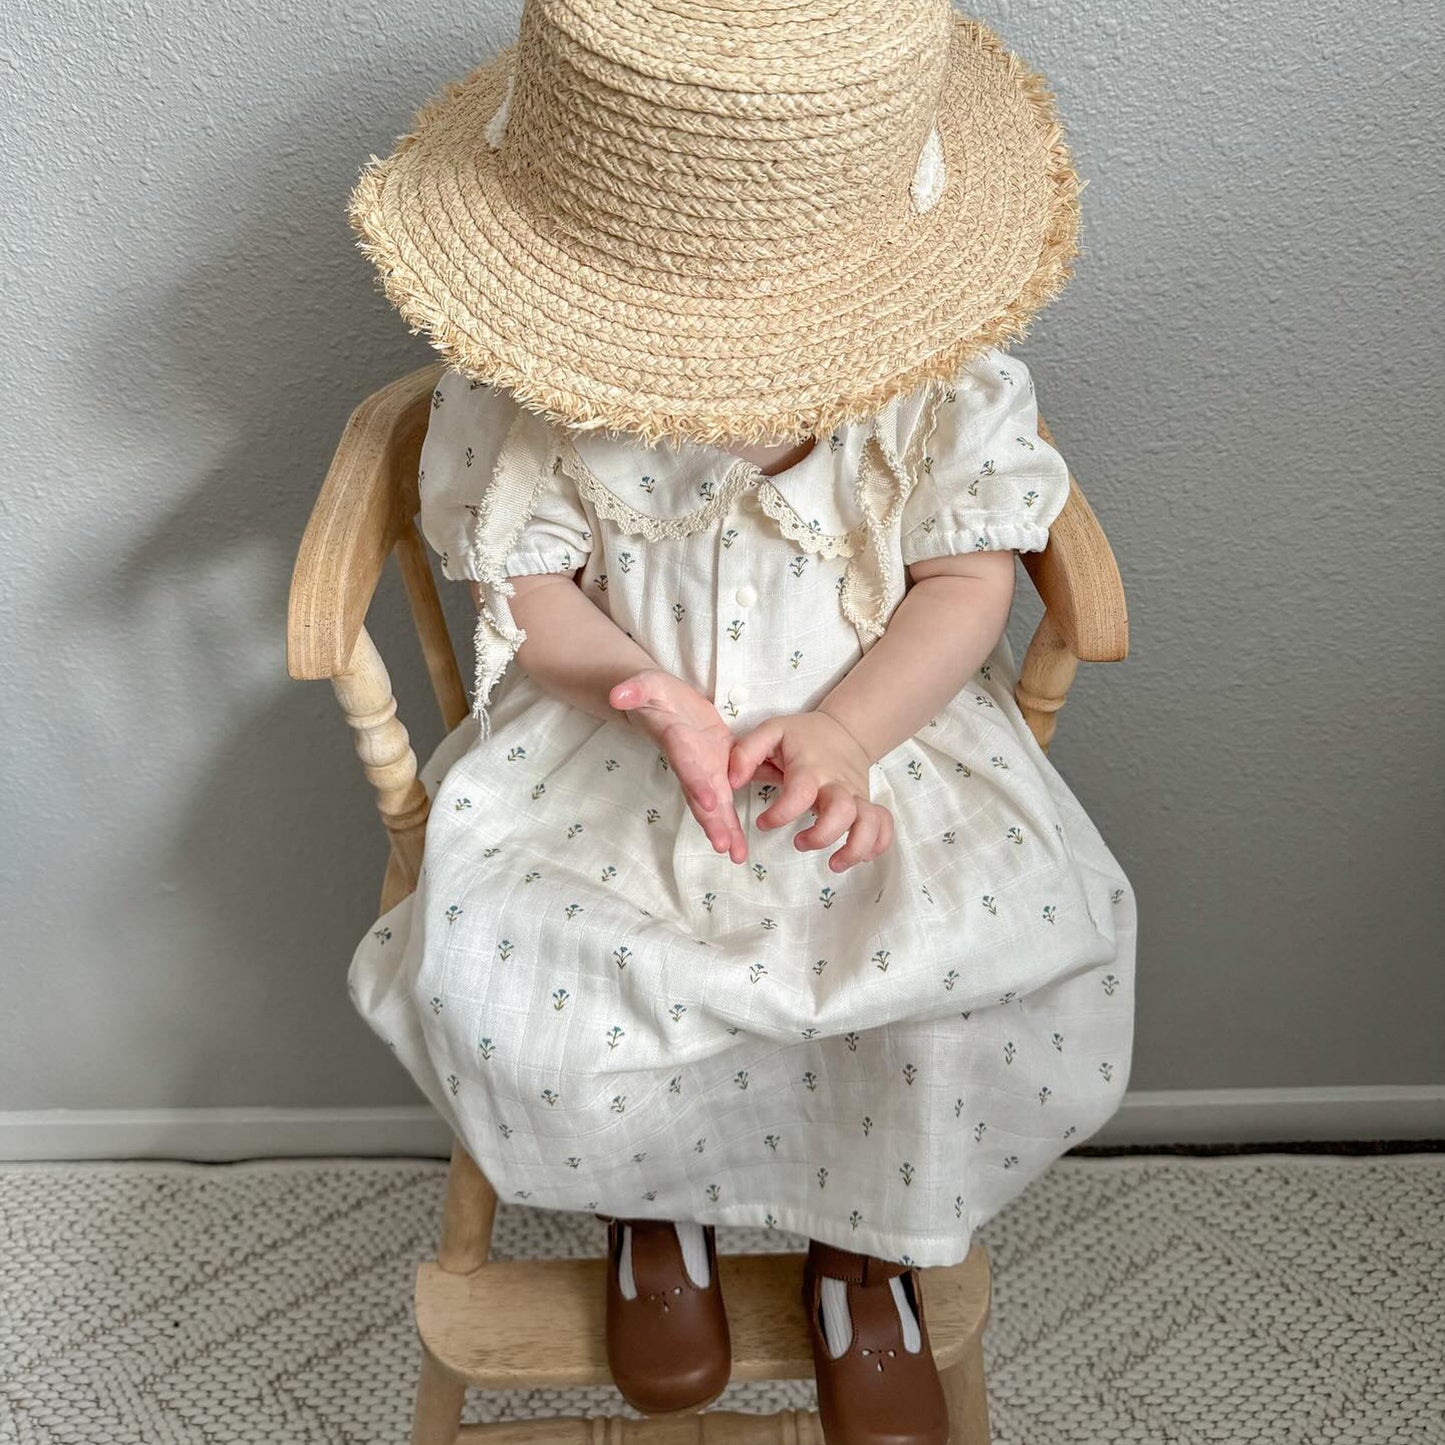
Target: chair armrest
[
  {"x": 1078, "y": 579},
  {"x": 368, "y": 497}
]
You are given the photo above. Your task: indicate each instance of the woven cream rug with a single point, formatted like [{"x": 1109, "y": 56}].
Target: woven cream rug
[{"x": 1277, "y": 1298}]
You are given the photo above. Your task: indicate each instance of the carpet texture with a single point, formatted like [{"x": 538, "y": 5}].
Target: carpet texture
[{"x": 1279, "y": 1298}]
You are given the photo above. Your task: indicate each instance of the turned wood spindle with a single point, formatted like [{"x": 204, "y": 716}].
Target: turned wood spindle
[{"x": 363, "y": 689}]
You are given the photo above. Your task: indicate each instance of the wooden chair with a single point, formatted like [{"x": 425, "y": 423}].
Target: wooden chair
[{"x": 540, "y": 1323}]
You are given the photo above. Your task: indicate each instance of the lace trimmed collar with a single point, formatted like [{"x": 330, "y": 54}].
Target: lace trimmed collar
[{"x": 672, "y": 490}]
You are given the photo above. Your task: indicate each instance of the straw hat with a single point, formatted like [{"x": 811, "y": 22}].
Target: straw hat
[{"x": 716, "y": 219}]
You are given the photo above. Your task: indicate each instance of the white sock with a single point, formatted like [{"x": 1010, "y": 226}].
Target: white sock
[
  {"x": 838, "y": 1321},
  {"x": 694, "y": 1253},
  {"x": 694, "y": 1258}
]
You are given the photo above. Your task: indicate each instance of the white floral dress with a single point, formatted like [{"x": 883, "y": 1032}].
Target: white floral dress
[{"x": 615, "y": 1018}]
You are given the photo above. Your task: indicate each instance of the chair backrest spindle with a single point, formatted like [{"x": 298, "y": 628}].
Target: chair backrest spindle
[{"x": 431, "y": 627}]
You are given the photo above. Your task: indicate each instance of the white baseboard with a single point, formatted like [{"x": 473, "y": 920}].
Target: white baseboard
[
  {"x": 1169, "y": 1116},
  {"x": 214, "y": 1135},
  {"x": 1276, "y": 1116}
]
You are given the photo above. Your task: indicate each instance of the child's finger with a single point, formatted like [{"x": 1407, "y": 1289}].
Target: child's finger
[
  {"x": 710, "y": 818},
  {"x": 798, "y": 794},
  {"x": 625, "y": 696},
  {"x": 751, "y": 749},
  {"x": 633, "y": 692},
  {"x": 885, "y": 831},
  {"x": 883, "y": 834},
  {"x": 737, "y": 848},
  {"x": 711, "y": 803},
  {"x": 768, "y": 772},
  {"x": 694, "y": 780},
  {"x": 726, "y": 811},
  {"x": 861, "y": 838},
  {"x": 734, "y": 844},
  {"x": 836, "y": 811},
  {"x": 712, "y": 827}
]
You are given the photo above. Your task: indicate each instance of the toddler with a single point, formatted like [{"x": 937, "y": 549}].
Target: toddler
[{"x": 748, "y": 897}]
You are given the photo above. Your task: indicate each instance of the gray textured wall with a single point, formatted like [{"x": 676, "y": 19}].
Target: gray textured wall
[{"x": 1242, "y": 376}]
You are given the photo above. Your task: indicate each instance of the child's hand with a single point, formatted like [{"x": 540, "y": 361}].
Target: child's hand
[
  {"x": 824, "y": 768},
  {"x": 697, "y": 743}
]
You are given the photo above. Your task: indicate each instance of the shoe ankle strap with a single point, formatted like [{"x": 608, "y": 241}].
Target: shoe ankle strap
[{"x": 843, "y": 1264}]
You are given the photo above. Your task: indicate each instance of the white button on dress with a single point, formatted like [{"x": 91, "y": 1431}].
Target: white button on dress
[{"x": 615, "y": 1018}]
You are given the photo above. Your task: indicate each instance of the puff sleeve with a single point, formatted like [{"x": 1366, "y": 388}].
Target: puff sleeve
[
  {"x": 984, "y": 479},
  {"x": 462, "y": 461},
  {"x": 495, "y": 505}
]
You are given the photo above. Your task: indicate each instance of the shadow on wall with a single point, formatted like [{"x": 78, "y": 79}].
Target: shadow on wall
[{"x": 275, "y": 855}]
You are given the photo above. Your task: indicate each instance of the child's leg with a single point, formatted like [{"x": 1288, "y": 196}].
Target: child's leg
[
  {"x": 838, "y": 1319},
  {"x": 667, "y": 1333},
  {"x": 693, "y": 1242},
  {"x": 877, "y": 1381}
]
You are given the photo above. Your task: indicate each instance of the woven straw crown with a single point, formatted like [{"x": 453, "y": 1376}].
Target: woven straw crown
[{"x": 726, "y": 218}]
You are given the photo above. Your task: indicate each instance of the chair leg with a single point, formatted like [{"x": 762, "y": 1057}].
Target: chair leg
[
  {"x": 439, "y": 1401},
  {"x": 468, "y": 1212},
  {"x": 967, "y": 1396}
]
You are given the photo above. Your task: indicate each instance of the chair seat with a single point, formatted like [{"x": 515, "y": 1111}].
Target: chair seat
[{"x": 531, "y": 1324}]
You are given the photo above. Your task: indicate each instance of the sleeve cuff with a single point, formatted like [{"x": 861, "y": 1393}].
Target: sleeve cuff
[
  {"x": 534, "y": 561},
  {"x": 920, "y": 545}
]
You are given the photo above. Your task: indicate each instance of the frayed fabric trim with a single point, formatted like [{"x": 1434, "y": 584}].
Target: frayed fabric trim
[
  {"x": 872, "y": 584},
  {"x": 660, "y": 421},
  {"x": 871, "y": 587},
  {"x": 523, "y": 464}
]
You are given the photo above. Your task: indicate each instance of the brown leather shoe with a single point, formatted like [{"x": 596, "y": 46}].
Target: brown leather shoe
[
  {"x": 876, "y": 1392},
  {"x": 669, "y": 1348}
]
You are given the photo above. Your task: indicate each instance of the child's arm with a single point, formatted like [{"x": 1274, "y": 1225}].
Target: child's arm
[
  {"x": 942, "y": 631},
  {"x": 948, "y": 622},
  {"x": 574, "y": 651}
]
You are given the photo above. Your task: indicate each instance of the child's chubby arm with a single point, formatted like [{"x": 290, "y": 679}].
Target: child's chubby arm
[
  {"x": 949, "y": 620},
  {"x": 574, "y": 651}
]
